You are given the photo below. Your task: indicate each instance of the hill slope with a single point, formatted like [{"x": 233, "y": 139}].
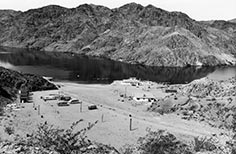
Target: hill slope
[
  {"x": 131, "y": 33},
  {"x": 12, "y": 81},
  {"x": 233, "y": 20}
]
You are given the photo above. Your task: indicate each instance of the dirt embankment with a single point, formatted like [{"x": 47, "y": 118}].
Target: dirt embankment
[{"x": 203, "y": 100}]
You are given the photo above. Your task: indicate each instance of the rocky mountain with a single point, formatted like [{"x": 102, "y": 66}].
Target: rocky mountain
[
  {"x": 132, "y": 33},
  {"x": 222, "y": 25}
]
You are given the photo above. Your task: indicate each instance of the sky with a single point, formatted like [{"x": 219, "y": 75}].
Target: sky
[{"x": 196, "y": 9}]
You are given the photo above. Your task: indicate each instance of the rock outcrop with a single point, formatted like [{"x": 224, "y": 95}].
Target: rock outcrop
[{"x": 132, "y": 33}]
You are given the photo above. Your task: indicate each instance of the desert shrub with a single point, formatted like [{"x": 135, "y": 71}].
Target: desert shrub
[
  {"x": 161, "y": 142},
  {"x": 60, "y": 140},
  {"x": 203, "y": 144},
  {"x": 9, "y": 130},
  {"x": 128, "y": 149},
  {"x": 99, "y": 148},
  {"x": 50, "y": 140},
  {"x": 164, "y": 107}
]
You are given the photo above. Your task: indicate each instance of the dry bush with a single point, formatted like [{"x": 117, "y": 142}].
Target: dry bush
[
  {"x": 203, "y": 144},
  {"x": 49, "y": 138},
  {"x": 62, "y": 141},
  {"x": 9, "y": 130},
  {"x": 129, "y": 149},
  {"x": 161, "y": 142}
]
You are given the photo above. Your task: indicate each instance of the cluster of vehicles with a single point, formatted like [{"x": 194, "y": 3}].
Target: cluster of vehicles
[{"x": 63, "y": 100}]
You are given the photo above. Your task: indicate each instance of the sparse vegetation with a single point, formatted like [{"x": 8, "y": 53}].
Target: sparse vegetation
[
  {"x": 60, "y": 140},
  {"x": 158, "y": 142},
  {"x": 48, "y": 139},
  {"x": 9, "y": 130},
  {"x": 203, "y": 144},
  {"x": 162, "y": 142}
]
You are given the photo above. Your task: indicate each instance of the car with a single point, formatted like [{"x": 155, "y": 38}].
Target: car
[
  {"x": 65, "y": 98},
  {"x": 64, "y": 103},
  {"x": 57, "y": 96},
  {"x": 74, "y": 101},
  {"x": 92, "y": 107},
  {"x": 46, "y": 98}
]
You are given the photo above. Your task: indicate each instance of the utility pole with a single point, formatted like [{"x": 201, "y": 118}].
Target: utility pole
[
  {"x": 102, "y": 117},
  {"x": 130, "y": 122},
  {"x": 38, "y": 109},
  {"x": 81, "y": 107}
]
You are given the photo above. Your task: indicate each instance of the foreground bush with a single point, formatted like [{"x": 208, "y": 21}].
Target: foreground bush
[
  {"x": 161, "y": 142},
  {"x": 158, "y": 142},
  {"x": 48, "y": 139}
]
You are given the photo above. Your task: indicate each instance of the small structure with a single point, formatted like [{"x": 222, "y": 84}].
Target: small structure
[
  {"x": 132, "y": 82},
  {"x": 24, "y": 95},
  {"x": 144, "y": 98}
]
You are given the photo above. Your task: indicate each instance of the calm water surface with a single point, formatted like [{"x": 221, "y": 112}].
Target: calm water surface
[{"x": 81, "y": 69}]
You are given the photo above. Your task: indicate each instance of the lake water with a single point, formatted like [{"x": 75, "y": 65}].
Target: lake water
[{"x": 82, "y": 69}]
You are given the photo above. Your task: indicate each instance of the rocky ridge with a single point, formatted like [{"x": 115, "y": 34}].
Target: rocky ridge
[
  {"x": 12, "y": 81},
  {"x": 132, "y": 33}
]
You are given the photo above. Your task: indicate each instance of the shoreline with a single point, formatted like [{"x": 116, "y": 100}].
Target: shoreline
[{"x": 231, "y": 64}]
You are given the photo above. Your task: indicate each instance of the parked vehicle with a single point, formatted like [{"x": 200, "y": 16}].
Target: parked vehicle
[
  {"x": 92, "y": 107},
  {"x": 64, "y": 103},
  {"x": 57, "y": 96},
  {"x": 74, "y": 101},
  {"x": 65, "y": 98},
  {"x": 46, "y": 98}
]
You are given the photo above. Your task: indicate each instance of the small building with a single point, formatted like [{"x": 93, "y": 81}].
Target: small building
[
  {"x": 144, "y": 98},
  {"x": 132, "y": 82},
  {"x": 24, "y": 95}
]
